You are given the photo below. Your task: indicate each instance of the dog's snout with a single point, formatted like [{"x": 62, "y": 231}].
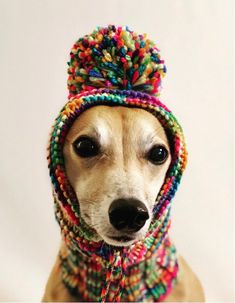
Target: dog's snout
[{"x": 128, "y": 214}]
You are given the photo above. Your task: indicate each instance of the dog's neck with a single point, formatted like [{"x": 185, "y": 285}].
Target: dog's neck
[
  {"x": 94, "y": 279},
  {"x": 94, "y": 271}
]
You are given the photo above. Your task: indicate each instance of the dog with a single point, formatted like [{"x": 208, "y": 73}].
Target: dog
[{"x": 122, "y": 155}]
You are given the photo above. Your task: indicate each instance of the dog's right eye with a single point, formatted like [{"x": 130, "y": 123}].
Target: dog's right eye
[{"x": 86, "y": 147}]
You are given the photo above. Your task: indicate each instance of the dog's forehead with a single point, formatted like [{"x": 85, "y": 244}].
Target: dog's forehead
[{"x": 102, "y": 121}]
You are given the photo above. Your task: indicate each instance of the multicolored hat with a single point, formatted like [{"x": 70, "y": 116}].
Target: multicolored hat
[{"x": 114, "y": 66}]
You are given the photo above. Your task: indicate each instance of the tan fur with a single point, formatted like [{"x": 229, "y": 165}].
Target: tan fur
[{"x": 122, "y": 171}]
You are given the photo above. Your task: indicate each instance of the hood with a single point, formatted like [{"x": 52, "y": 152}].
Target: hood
[{"x": 113, "y": 66}]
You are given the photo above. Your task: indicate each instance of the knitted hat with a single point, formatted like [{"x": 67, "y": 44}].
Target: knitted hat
[{"x": 114, "y": 66}]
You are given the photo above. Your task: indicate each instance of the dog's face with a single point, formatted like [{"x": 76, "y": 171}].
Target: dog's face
[{"x": 116, "y": 159}]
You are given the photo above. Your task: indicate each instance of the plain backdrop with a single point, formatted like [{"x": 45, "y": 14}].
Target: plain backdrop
[{"x": 196, "y": 41}]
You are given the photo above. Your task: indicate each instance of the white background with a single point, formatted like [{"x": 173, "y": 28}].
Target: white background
[{"x": 195, "y": 39}]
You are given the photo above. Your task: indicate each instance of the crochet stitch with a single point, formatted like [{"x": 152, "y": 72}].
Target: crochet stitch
[{"x": 93, "y": 270}]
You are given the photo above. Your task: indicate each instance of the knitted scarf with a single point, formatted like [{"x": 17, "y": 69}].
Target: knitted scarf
[{"x": 91, "y": 269}]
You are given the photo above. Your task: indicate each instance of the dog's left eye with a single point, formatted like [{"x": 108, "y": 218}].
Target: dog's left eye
[
  {"x": 86, "y": 147},
  {"x": 157, "y": 154}
]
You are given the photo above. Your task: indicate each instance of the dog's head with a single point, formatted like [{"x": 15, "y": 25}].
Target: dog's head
[{"x": 116, "y": 159}]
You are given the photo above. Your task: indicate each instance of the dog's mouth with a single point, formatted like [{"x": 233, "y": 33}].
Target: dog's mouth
[{"x": 122, "y": 239}]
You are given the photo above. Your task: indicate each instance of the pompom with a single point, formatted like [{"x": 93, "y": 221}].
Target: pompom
[{"x": 115, "y": 58}]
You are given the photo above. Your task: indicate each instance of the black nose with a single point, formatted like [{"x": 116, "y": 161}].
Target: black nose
[{"x": 128, "y": 214}]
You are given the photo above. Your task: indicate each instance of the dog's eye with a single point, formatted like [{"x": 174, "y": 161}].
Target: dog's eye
[
  {"x": 157, "y": 154},
  {"x": 86, "y": 147}
]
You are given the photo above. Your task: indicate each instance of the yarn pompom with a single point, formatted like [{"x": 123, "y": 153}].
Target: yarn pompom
[{"x": 115, "y": 58}]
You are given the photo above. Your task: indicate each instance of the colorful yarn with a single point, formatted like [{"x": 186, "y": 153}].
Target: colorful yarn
[
  {"x": 115, "y": 58},
  {"x": 93, "y": 270}
]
